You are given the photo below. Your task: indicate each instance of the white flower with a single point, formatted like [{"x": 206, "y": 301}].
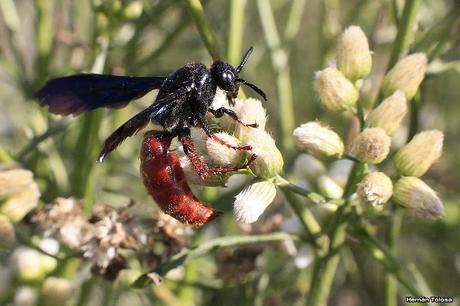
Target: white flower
[
  {"x": 318, "y": 140},
  {"x": 252, "y": 201}
]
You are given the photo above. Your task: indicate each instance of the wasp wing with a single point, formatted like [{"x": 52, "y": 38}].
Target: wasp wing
[
  {"x": 79, "y": 93},
  {"x": 176, "y": 90},
  {"x": 129, "y": 128}
]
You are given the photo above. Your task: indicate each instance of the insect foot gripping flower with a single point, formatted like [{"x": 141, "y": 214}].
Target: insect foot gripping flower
[
  {"x": 7, "y": 233},
  {"x": 375, "y": 189},
  {"x": 20, "y": 192},
  {"x": 354, "y": 58},
  {"x": 56, "y": 291},
  {"x": 319, "y": 141},
  {"x": 222, "y": 155},
  {"x": 269, "y": 161},
  {"x": 371, "y": 146},
  {"x": 335, "y": 90},
  {"x": 406, "y": 75},
  {"x": 414, "y": 194},
  {"x": 251, "y": 111},
  {"x": 389, "y": 114},
  {"x": 252, "y": 201},
  {"x": 416, "y": 157}
]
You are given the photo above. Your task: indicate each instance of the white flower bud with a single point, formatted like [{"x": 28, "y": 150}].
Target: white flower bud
[
  {"x": 25, "y": 296},
  {"x": 329, "y": 188},
  {"x": 375, "y": 189},
  {"x": 354, "y": 58},
  {"x": 14, "y": 180},
  {"x": 414, "y": 194},
  {"x": 416, "y": 157},
  {"x": 7, "y": 233},
  {"x": 30, "y": 265},
  {"x": 371, "y": 146},
  {"x": 319, "y": 141},
  {"x": 222, "y": 155},
  {"x": 19, "y": 204},
  {"x": 406, "y": 75},
  {"x": 251, "y": 111},
  {"x": 195, "y": 179},
  {"x": 335, "y": 90},
  {"x": 389, "y": 114},
  {"x": 269, "y": 161},
  {"x": 56, "y": 291},
  {"x": 252, "y": 201}
]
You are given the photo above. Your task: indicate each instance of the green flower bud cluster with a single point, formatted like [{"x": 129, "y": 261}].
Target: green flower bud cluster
[{"x": 338, "y": 89}]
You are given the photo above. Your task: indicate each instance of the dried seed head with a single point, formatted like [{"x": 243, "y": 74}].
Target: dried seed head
[
  {"x": 7, "y": 233},
  {"x": 406, "y": 75},
  {"x": 319, "y": 141},
  {"x": 389, "y": 114},
  {"x": 375, "y": 189},
  {"x": 56, "y": 291},
  {"x": 354, "y": 58},
  {"x": 371, "y": 146},
  {"x": 416, "y": 157},
  {"x": 252, "y": 201},
  {"x": 269, "y": 161},
  {"x": 328, "y": 187},
  {"x": 222, "y": 155},
  {"x": 335, "y": 90},
  {"x": 414, "y": 194}
]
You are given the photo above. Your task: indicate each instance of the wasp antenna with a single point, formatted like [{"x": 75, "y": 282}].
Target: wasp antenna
[
  {"x": 253, "y": 87},
  {"x": 244, "y": 60}
]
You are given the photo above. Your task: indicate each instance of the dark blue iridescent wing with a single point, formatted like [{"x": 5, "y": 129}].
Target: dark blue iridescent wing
[
  {"x": 79, "y": 93},
  {"x": 132, "y": 126}
]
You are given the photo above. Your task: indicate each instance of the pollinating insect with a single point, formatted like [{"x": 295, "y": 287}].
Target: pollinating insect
[{"x": 183, "y": 100}]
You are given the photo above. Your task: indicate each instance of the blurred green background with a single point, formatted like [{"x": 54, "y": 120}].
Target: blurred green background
[{"x": 43, "y": 39}]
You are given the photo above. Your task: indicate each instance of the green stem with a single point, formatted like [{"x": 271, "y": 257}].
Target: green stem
[
  {"x": 391, "y": 284},
  {"x": 405, "y": 26},
  {"x": 235, "y": 30},
  {"x": 325, "y": 267},
  {"x": 5, "y": 157},
  {"x": 204, "y": 249},
  {"x": 204, "y": 28},
  {"x": 87, "y": 145},
  {"x": 312, "y": 196},
  {"x": 384, "y": 256},
  {"x": 280, "y": 63}
]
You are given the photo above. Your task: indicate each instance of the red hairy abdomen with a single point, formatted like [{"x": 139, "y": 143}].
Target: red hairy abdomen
[{"x": 165, "y": 182}]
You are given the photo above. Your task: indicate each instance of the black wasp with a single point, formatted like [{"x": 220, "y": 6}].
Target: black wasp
[{"x": 184, "y": 98}]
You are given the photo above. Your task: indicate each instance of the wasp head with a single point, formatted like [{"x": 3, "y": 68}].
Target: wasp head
[{"x": 226, "y": 76}]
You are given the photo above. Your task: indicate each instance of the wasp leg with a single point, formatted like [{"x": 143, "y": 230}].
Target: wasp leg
[
  {"x": 200, "y": 167},
  {"x": 222, "y": 111},
  {"x": 204, "y": 125}
]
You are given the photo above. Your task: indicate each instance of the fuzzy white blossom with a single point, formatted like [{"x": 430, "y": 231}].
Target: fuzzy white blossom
[
  {"x": 318, "y": 140},
  {"x": 252, "y": 201},
  {"x": 416, "y": 195},
  {"x": 354, "y": 58},
  {"x": 416, "y": 157},
  {"x": 336, "y": 92},
  {"x": 406, "y": 75}
]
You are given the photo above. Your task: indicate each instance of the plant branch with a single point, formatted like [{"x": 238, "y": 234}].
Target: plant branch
[
  {"x": 204, "y": 28},
  {"x": 204, "y": 249},
  {"x": 405, "y": 26}
]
